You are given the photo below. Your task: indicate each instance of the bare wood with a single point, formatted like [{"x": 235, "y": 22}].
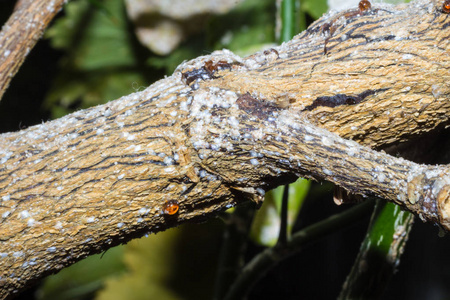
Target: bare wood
[
  {"x": 21, "y": 32},
  {"x": 83, "y": 183}
]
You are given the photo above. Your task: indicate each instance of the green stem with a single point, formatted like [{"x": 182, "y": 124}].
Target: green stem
[
  {"x": 379, "y": 254},
  {"x": 282, "y": 236},
  {"x": 264, "y": 261},
  {"x": 287, "y": 20}
]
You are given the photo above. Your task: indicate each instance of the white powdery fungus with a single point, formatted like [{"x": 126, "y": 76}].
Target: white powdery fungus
[
  {"x": 437, "y": 91},
  {"x": 143, "y": 211},
  {"x": 327, "y": 172},
  {"x": 24, "y": 214},
  {"x": 254, "y": 161},
  {"x": 308, "y": 138},
  {"x": 381, "y": 177},
  {"x": 5, "y": 157},
  {"x": 168, "y": 161},
  {"x": 58, "y": 225},
  {"x": 327, "y": 141},
  {"x": 51, "y": 249},
  {"x": 127, "y": 135},
  {"x": 169, "y": 170},
  {"x": 260, "y": 191}
]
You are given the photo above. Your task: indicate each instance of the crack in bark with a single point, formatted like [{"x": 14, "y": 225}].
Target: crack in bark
[{"x": 341, "y": 99}]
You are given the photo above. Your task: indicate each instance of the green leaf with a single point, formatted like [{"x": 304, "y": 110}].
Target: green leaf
[
  {"x": 94, "y": 37},
  {"x": 389, "y": 220},
  {"x": 266, "y": 225},
  {"x": 83, "y": 278},
  {"x": 155, "y": 267},
  {"x": 380, "y": 252},
  {"x": 102, "y": 60},
  {"x": 149, "y": 263},
  {"x": 158, "y": 266},
  {"x": 315, "y": 8},
  {"x": 250, "y": 23}
]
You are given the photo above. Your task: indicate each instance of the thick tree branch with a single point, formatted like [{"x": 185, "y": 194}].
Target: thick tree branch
[
  {"x": 384, "y": 78},
  {"x": 223, "y": 129},
  {"x": 21, "y": 32}
]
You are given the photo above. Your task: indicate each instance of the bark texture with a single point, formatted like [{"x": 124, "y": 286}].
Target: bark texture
[
  {"x": 21, "y": 32},
  {"x": 223, "y": 129}
]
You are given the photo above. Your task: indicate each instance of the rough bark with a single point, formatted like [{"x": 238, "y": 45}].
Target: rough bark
[
  {"x": 21, "y": 32},
  {"x": 223, "y": 129}
]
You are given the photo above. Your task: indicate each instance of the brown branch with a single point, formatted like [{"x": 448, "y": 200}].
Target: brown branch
[
  {"x": 223, "y": 129},
  {"x": 21, "y": 32},
  {"x": 392, "y": 67}
]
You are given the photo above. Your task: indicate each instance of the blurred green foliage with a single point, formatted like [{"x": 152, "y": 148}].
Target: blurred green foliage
[
  {"x": 179, "y": 263},
  {"x": 314, "y": 8},
  {"x": 102, "y": 59},
  {"x": 380, "y": 252},
  {"x": 84, "y": 278},
  {"x": 266, "y": 225}
]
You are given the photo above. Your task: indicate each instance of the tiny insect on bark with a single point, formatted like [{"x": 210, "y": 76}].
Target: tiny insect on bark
[
  {"x": 364, "y": 5},
  {"x": 446, "y": 6},
  {"x": 171, "y": 207}
]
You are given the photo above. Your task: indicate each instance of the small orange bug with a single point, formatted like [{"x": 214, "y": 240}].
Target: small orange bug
[
  {"x": 364, "y": 5},
  {"x": 171, "y": 207},
  {"x": 446, "y": 6}
]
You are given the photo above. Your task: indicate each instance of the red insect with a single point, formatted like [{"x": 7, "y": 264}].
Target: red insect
[
  {"x": 446, "y": 6},
  {"x": 171, "y": 207},
  {"x": 364, "y": 5}
]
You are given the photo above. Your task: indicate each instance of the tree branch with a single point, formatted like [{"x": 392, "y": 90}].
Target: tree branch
[
  {"x": 222, "y": 129},
  {"x": 21, "y": 32}
]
